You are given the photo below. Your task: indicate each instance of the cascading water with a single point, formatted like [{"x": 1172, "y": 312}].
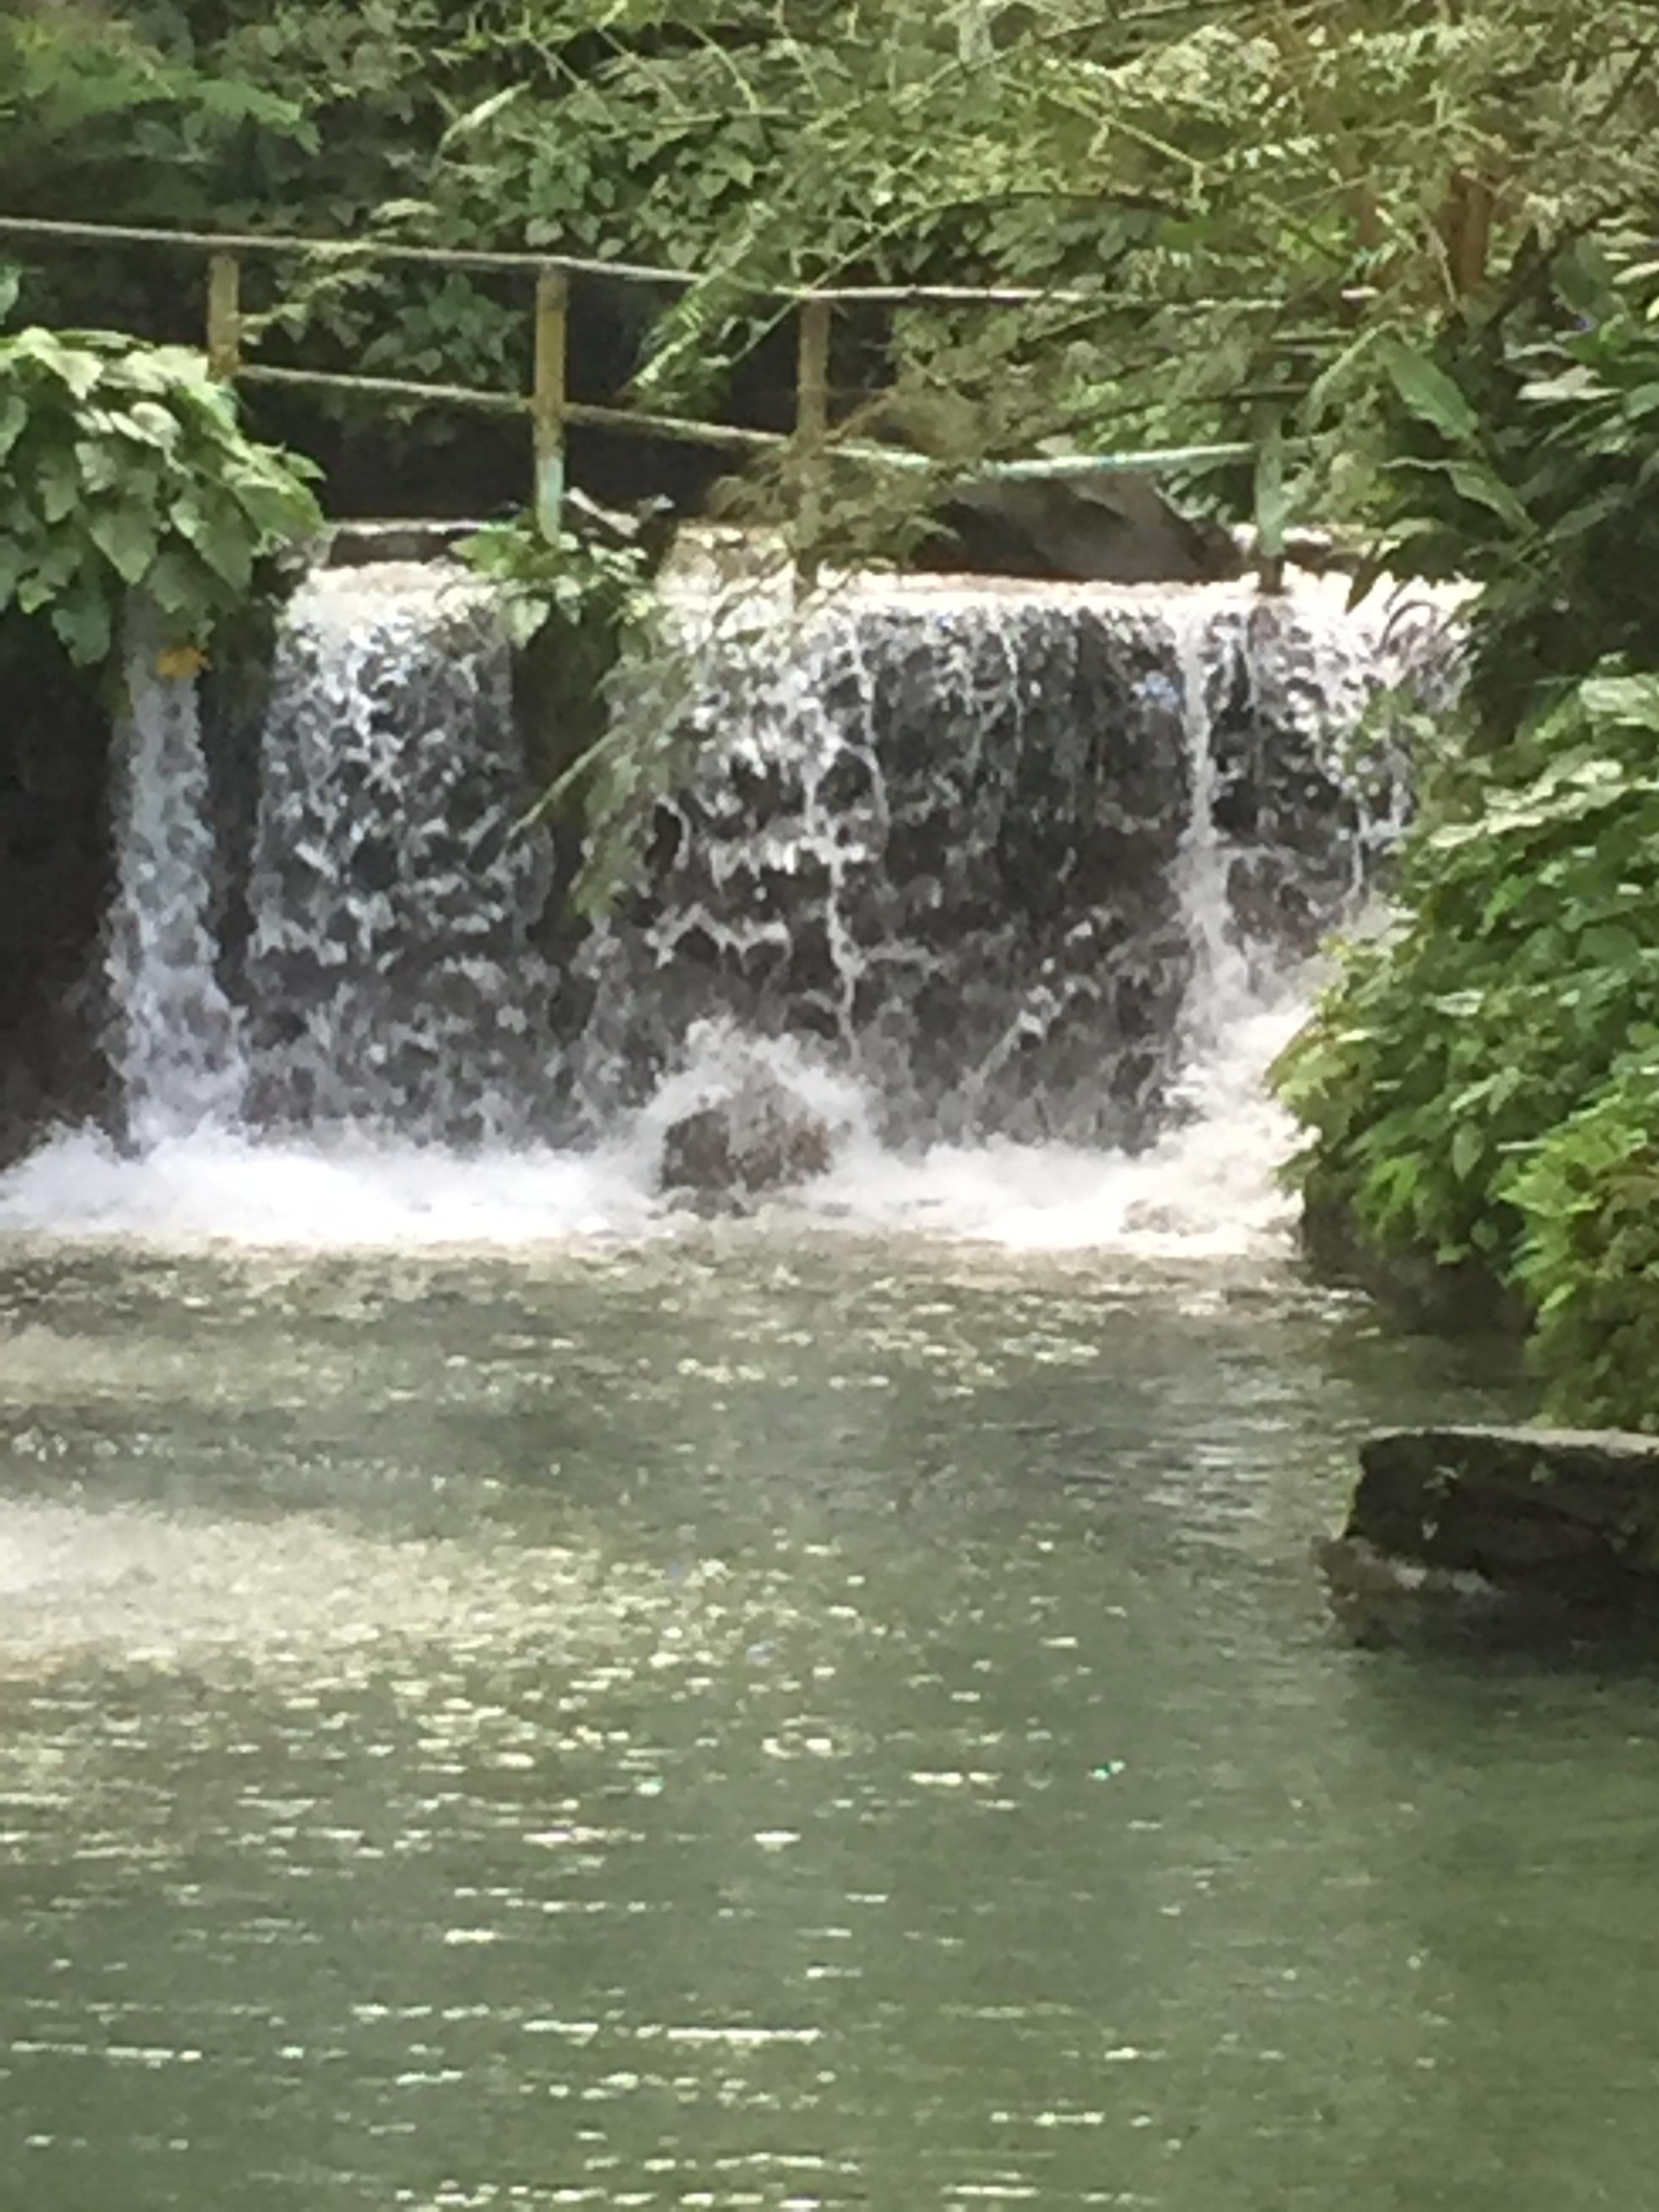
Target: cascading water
[
  {"x": 390, "y": 974},
  {"x": 1009, "y": 853},
  {"x": 1000, "y": 881},
  {"x": 178, "y": 1049},
  {"x": 935, "y": 834}
]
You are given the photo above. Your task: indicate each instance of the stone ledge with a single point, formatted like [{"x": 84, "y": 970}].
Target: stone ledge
[
  {"x": 1571, "y": 1514},
  {"x": 362, "y": 545}
]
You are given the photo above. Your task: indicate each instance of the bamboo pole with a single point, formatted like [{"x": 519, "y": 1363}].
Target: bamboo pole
[
  {"x": 1270, "y": 505},
  {"x": 678, "y": 427},
  {"x": 552, "y": 412},
  {"x": 812, "y": 425},
  {"x": 509, "y": 402},
  {"x": 682, "y": 430},
  {"x": 547, "y": 404},
  {"x": 51, "y": 228},
  {"x": 224, "y": 316},
  {"x": 385, "y": 387}
]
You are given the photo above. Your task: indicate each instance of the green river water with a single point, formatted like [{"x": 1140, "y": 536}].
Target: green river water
[{"x": 780, "y": 1720}]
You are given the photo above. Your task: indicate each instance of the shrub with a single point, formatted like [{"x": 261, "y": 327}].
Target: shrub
[
  {"x": 1589, "y": 1260},
  {"x": 1523, "y": 969},
  {"x": 122, "y": 468}
]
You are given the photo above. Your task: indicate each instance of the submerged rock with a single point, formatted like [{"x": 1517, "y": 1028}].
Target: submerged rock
[
  {"x": 758, "y": 1137},
  {"x": 1563, "y": 1514}
]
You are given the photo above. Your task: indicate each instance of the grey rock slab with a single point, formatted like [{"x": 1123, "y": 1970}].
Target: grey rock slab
[{"x": 1573, "y": 1512}]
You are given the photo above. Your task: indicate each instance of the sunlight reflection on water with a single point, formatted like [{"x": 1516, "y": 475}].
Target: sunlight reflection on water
[{"x": 768, "y": 1720}]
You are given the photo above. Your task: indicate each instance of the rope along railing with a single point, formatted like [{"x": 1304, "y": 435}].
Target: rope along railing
[{"x": 550, "y": 411}]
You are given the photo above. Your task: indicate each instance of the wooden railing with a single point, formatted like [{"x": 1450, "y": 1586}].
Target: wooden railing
[{"x": 551, "y": 410}]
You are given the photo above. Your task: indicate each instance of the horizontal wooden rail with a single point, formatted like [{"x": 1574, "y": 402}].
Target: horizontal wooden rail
[
  {"x": 387, "y": 388},
  {"x": 55, "y": 230},
  {"x": 1152, "y": 460},
  {"x": 813, "y": 445},
  {"x": 342, "y": 249},
  {"x": 678, "y": 427}
]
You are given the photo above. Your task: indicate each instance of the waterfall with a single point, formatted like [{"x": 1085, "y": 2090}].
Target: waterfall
[
  {"x": 178, "y": 1049},
  {"x": 390, "y": 973},
  {"x": 1007, "y": 884},
  {"x": 1218, "y": 986},
  {"x": 1007, "y": 853}
]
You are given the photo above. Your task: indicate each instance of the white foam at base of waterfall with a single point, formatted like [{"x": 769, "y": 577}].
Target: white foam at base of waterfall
[
  {"x": 372, "y": 1193},
  {"x": 1205, "y": 1190}
]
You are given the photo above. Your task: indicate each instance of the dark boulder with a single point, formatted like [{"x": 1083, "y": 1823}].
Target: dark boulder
[
  {"x": 1110, "y": 526},
  {"x": 758, "y": 1137},
  {"x": 1568, "y": 1517}
]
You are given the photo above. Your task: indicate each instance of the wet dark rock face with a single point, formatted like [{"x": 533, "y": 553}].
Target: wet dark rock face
[
  {"x": 55, "y": 874},
  {"x": 975, "y": 846},
  {"x": 1304, "y": 812},
  {"x": 1107, "y": 525},
  {"x": 945, "y": 849}
]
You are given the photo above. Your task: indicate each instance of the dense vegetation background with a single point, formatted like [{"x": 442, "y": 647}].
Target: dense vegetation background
[
  {"x": 1428, "y": 230},
  {"x": 1249, "y": 194}
]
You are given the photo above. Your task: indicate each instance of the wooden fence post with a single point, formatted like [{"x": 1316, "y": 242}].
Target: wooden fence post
[
  {"x": 547, "y": 403},
  {"x": 1271, "y": 504},
  {"x": 224, "y": 316},
  {"x": 812, "y": 423}
]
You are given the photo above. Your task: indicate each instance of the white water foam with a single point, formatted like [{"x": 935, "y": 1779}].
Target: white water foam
[
  {"x": 218, "y": 1188},
  {"x": 1205, "y": 1190}
]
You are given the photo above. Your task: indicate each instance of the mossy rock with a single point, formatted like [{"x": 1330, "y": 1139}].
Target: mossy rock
[{"x": 1571, "y": 1514}]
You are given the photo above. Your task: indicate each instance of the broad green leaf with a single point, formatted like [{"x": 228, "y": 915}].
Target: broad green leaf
[
  {"x": 99, "y": 464},
  {"x": 83, "y": 620},
  {"x": 1477, "y": 482},
  {"x": 280, "y": 513},
  {"x": 222, "y": 542},
  {"x": 1632, "y": 699},
  {"x": 1429, "y": 392},
  {"x": 58, "y": 485},
  {"x": 1576, "y": 384},
  {"x": 149, "y": 423},
  {"x": 75, "y": 366},
  {"x": 180, "y": 583},
  {"x": 126, "y": 536},
  {"x": 47, "y": 575}
]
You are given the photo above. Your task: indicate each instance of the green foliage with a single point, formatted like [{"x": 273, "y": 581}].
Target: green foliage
[
  {"x": 1524, "y": 454},
  {"x": 1476, "y": 1085},
  {"x": 102, "y": 117},
  {"x": 582, "y": 584},
  {"x": 122, "y": 468},
  {"x": 602, "y": 686},
  {"x": 1443, "y": 1076},
  {"x": 1589, "y": 1260},
  {"x": 1242, "y": 195}
]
